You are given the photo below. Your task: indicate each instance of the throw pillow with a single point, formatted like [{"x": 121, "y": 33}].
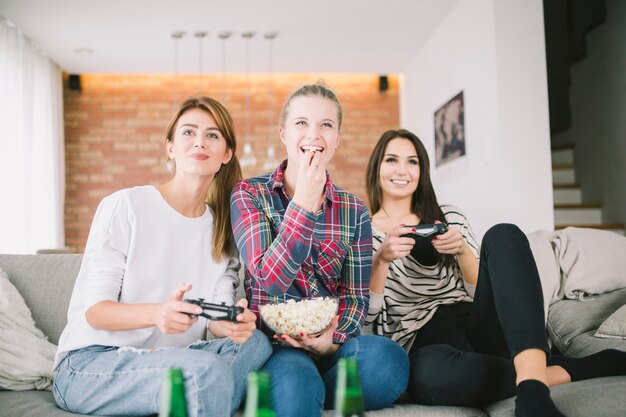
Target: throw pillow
[
  {"x": 591, "y": 261},
  {"x": 26, "y": 356},
  {"x": 572, "y": 324},
  {"x": 615, "y": 326}
]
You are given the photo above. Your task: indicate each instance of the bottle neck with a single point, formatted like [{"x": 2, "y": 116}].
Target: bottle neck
[
  {"x": 349, "y": 396},
  {"x": 265, "y": 402},
  {"x": 173, "y": 402},
  {"x": 258, "y": 396}
]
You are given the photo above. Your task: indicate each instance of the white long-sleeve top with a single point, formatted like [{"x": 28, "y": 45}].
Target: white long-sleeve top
[{"x": 140, "y": 250}]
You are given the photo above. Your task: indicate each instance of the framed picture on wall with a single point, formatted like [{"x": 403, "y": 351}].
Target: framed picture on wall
[{"x": 450, "y": 131}]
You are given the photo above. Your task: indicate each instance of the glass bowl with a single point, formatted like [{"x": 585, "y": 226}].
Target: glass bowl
[{"x": 310, "y": 315}]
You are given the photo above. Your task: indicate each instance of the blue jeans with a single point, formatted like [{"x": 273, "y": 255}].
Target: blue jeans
[
  {"x": 302, "y": 388},
  {"x": 111, "y": 381}
]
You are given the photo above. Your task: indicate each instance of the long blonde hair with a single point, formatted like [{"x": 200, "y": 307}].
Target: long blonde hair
[{"x": 218, "y": 196}]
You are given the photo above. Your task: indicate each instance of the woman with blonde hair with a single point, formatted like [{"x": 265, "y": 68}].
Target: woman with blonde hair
[{"x": 302, "y": 236}]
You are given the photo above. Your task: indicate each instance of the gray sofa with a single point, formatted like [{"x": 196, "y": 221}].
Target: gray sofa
[{"x": 46, "y": 282}]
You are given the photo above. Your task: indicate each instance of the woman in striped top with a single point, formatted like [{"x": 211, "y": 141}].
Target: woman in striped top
[{"x": 474, "y": 331}]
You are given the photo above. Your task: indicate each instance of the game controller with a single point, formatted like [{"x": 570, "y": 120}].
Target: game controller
[
  {"x": 214, "y": 311},
  {"x": 427, "y": 231}
]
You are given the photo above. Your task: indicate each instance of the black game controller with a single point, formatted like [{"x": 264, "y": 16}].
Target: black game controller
[
  {"x": 216, "y": 311},
  {"x": 427, "y": 231}
]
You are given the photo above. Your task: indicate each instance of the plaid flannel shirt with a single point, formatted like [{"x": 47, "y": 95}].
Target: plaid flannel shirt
[{"x": 291, "y": 253}]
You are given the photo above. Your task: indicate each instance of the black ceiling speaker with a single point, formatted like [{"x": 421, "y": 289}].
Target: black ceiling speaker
[
  {"x": 74, "y": 82},
  {"x": 383, "y": 83}
]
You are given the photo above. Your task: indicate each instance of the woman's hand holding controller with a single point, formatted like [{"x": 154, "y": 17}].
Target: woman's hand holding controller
[
  {"x": 238, "y": 332},
  {"x": 394, "y": 246},
  {"x": 450, "y": 243},
  {"x": 175, "y": 316}
]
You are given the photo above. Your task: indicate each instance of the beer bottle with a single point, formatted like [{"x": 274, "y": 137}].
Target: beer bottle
[
  {"x": 173, "y": 403},
  {"x": 348, "y": 394},
  {"x": 258, "y": 397}
]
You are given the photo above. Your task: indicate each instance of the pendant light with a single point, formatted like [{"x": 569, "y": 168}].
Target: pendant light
[
  {"x": 270, "y": 161},
  {"x": 247, "y": 160},
  {"x": 200, "y": 35},
  {"x": 176, "y": 36},
  {"x": 223, "y": 36}
]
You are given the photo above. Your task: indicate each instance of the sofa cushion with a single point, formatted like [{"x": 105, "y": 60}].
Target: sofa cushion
[
  {"x": 594, "y": 397},
  {"x": 41, "y": 403},
  {"x": 30, "y": 404},
  {"x": 615, "y": 326},
  {"x": 43, "y": 282},
  {"x": 572, "y": 323},
  {"x": 26, "y": 355},
  {"x": 591, "y": 260},
  {"x": 417, "y": 410}
]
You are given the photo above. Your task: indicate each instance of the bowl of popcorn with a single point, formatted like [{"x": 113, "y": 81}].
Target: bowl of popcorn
[{"x": 310, "y": 316}]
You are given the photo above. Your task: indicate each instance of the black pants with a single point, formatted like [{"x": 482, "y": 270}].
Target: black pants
[{"x": 463, "y": 355}]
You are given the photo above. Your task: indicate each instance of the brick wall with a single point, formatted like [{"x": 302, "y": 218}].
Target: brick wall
[{"x": 114, "y": 129}]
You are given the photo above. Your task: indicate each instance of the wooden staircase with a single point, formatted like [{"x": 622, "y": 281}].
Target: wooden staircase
[{"x": 569, "y": 209}]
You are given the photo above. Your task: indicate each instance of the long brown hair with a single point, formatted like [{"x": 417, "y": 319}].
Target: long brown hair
[
  {"x": 424, "y": 201},
  {"x": 218, "y": 196}
]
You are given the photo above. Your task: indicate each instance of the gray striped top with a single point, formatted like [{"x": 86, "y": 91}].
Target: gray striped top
[{"x": 414, "y": 291}]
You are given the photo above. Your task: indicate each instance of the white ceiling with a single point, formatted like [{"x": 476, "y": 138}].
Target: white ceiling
[{"x": 134, "y": 36}]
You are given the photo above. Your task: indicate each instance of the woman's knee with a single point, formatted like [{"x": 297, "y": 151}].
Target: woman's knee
[
  {"x": 259, "y": 347},
  {"x": 261, "y": 344},
  {"x": 374, "y": 350},
  {"x": 384, "y": 369},
  {"x": 501, "y": 231},
  {"x": 293, "y": 370},
  {"x": 297, "y": 386}
]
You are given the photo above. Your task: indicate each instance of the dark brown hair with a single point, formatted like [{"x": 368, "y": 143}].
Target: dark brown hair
[
  {"x": 218, "y": 196},
  {"x": 424, "y": 201}
]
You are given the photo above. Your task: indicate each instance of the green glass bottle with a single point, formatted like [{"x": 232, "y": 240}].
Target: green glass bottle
[
  {"x": 348, "y": 394},
  {"x": 258, "y": 396},
  {"x": 173, "y": 403}
]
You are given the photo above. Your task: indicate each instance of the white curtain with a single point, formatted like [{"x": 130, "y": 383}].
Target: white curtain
[{"x": 32, "y": 163}]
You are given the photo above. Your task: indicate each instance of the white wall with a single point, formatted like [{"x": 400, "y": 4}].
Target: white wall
[{"x": 494, "y": 51}]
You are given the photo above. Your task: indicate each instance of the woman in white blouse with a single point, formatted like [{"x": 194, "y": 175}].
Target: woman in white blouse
[
  {"x": 149, "y": 248},
  {"x": 473, "y": 325}
]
